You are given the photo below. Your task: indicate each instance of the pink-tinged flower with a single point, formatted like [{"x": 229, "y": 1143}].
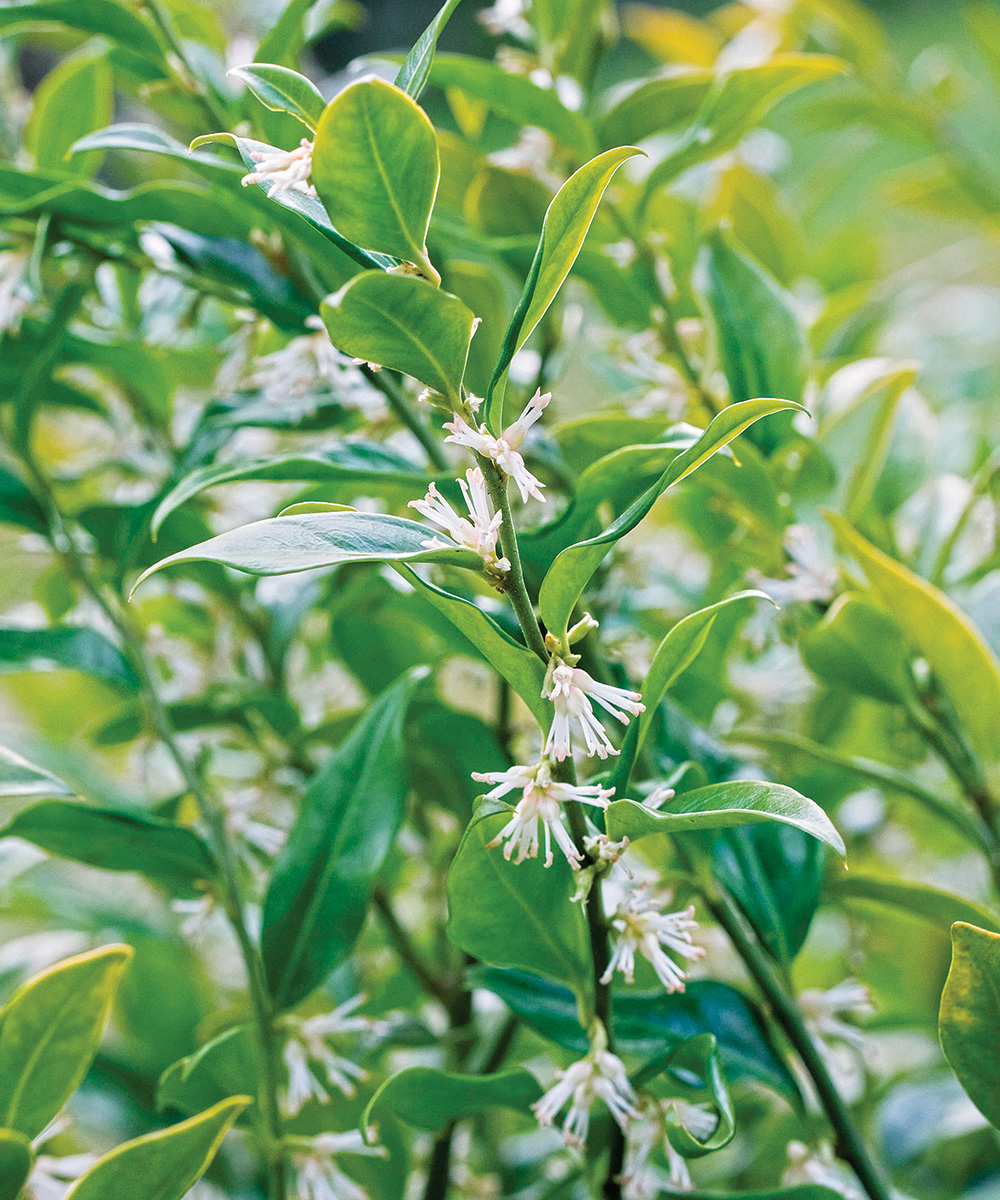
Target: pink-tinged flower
[
  {"x": 478, "y": 531},
  {"x": 599, "y": 1076},
  {"x": 571, "y": 690},
  {"x": 284, "y": 171},
  {"x": 540, "y": 803},
  {"x": 640, "y": 927},
  {"x": 505, "y": 449}
]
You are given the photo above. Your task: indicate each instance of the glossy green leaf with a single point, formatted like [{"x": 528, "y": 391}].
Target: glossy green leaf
[
  {"x": 760, "y": 343},
  {"x": 572, "y": 570},
  {"x": 516, "y": 915},
  {"x": 640, "y": 109},
  {"x": 932, "y": 904},
  {"x": 515, "y": 97},
  {"x": 283, "y": 90},
  {"x": 722, "y": 806},
  {"x": 646, "y": 1023},
  {"x": 318, "y": 896},
  {"x": 118, "y": 840},
  {"x": 416, "y": 66},
  {"x": 375, "y": 166},
  {"x": 76, "y": 648},
  {"x": 74, "y": 99},
  {"x": 736, "y": 103},
  {"x": 16, "y": 1160},
  {"x": 18, "y": 777},
  {"x": 963, "y": 664},
  {"x": 564, "y": 229},
  {"x": 970, "y": 1016},
  {"x": 50, "y": 1030},
  {"x": 524, "y": 671},
  {"x": 429, "y": 1098},
  {"x": 403, "y": 322},
  {"x": 859, "y": 646},
  {"x": 692, "y": 1071},
  {"x": 105, "y": 17},
  {"x": 160, "y": 1166},
  {"x": 673, "y": 656},
  {"x": 284, "y": 545},
  {"x": 226, "y": 1066},
  {"x": 368, "y": 464}
]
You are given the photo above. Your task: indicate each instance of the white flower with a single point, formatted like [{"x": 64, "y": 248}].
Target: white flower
[
  {"x": 818, "y": 1166},
  {"x": 505, "y": 16},
  {"x": 640, "y": 926},
  {"x": 504, "y": 450},
  {"x": 50, "y": 1177},
  {"x": 477, "y": 532},
  {"x": 285, "y": 171},
  {"x": 240, "y": 824},
  {"x": 196, "y": 915},
  {"x": 599, "y": 1076},
  {"x": 317, "y": 1175},
  {"x": 571, "y": 689},
  {"x": 641, "y": 1180},
  {"x": 540, "y": 801},
  {"x": 824, "y": 1012},
  {"x": 15, "y": 293},
  {"x": 307, "y": 1044}
]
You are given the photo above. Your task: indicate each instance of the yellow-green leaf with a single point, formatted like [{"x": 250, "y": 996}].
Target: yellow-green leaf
[{"x": 970, "y": 1016}]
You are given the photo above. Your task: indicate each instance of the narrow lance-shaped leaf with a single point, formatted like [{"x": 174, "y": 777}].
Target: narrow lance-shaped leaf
[
  {"x": 49, "y": 1033},
  {"x": 722, "y": 805},
  {"x": 673, "y": 656},
  {"x": 412, "y": 75},
  {"x": 970, "y": 1016},
  {"x": 962, "y": 662},
  {"x": 164, "y": 1165},
  {"x": 300, "y": 542},
  {"x": 429, "y": 1098},
  {"x": 318, "y": 896},
  {"x": 18, "y": 777},
  {"x": 284, "y": 90},
  {"x": 405, "y": 323},
  {"x": 375, "y": 166},
  {"x": 118, "y": 840},
  {"x": 564, "y": 229},
  {"x": 571, "y": 571}
]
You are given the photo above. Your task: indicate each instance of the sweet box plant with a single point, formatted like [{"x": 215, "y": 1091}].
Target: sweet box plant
[{"x": 478, "y": 568}]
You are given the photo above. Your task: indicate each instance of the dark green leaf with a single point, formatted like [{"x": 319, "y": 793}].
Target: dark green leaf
[
  {"x": 318, "y": 896},
  {"x": 694, "y": 1073},
  {"x": 74, "y": 99},
  {"x": 859, "y": 646},
  {"x": 106, "y": 17},
  {"x": 429, "y": 1098},
  {"x": 226, "y": 1066},
  {"x": 77, "y": 648},
  {"x": 16, "y": 1159},
  {"x": 283, "y": 90},
  {"x": 934, "y": 905}
]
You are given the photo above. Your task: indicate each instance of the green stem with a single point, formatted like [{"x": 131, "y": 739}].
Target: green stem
[
  {"x": 850, "y": 1146},
  {"x": 183, "y": 72},
  {"x": 400, "y": 405},
  {"x": 407, "y": 951},
  {"x": 496, "y": 484}
]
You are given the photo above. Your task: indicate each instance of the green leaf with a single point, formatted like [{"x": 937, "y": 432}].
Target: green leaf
[
  {"x": 934, "y": 905},
  {"x": 227, "y": 1065},
  {"x": 567, "y": 220},
  {"x": 429, "y": 1098},
  {"x": 572, "y": 570},
  {"x": 49, "y": 1032},
  {"x": 859, "y": 646},
  {"x": 640, "y": 109},
  {"x": 673, "y": 656},
  {"x": 405, "y": 323},
  {"x": 694, "y": 1073},
  {"x": 285, "y": 545},
  {"x": 962, "y": 662},
  {"x": 16, "y": 1161},
  {"x": 375, "y": 166},
  {"x": 722, "y": 806},
  {"x": 18, "y": 777},
  {"x": 803, "y": 1191},
  {"x": 737, "y": 102},
  {"x": 517, "y": 915},
  {"x": 283, "y": 90},
  {"x": 970, "y": 1016},
  {"x": 74, "y": 99},
  {"x": 645, "y": 1023},
  {"x": 368, "y": 464},
  {"x": 106, "y": 17},
  {"x": 165, "y": 1164},
  {"x": 18, "y": 505},
  {"x": 760, "y": 342},
  {"x": 524, "y": 671},
  {"x": 416, "y": 66},
  {"x": 774, "y": 873},
  {"x": 318, "y": 896},
  {"x": 515, "y": 97},
  {"x": 118, "y": 840},
  {"x": 76, "y": 648}
]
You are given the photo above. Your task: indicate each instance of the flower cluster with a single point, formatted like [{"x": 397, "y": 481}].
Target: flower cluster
[
  {"x": 307, "y": 1045},
  {"x": 317, "y": 1175},
  {"x": 641, "y": 927},
  {"x": 505, "y": 449},
  {"x": 599, "y": 1076},
  {"x": 640, "y": 1178},
  {"x": 283, "y": 171},
  {"x": 478, "y": 531},
  {"x": 571, "y": 691}
]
